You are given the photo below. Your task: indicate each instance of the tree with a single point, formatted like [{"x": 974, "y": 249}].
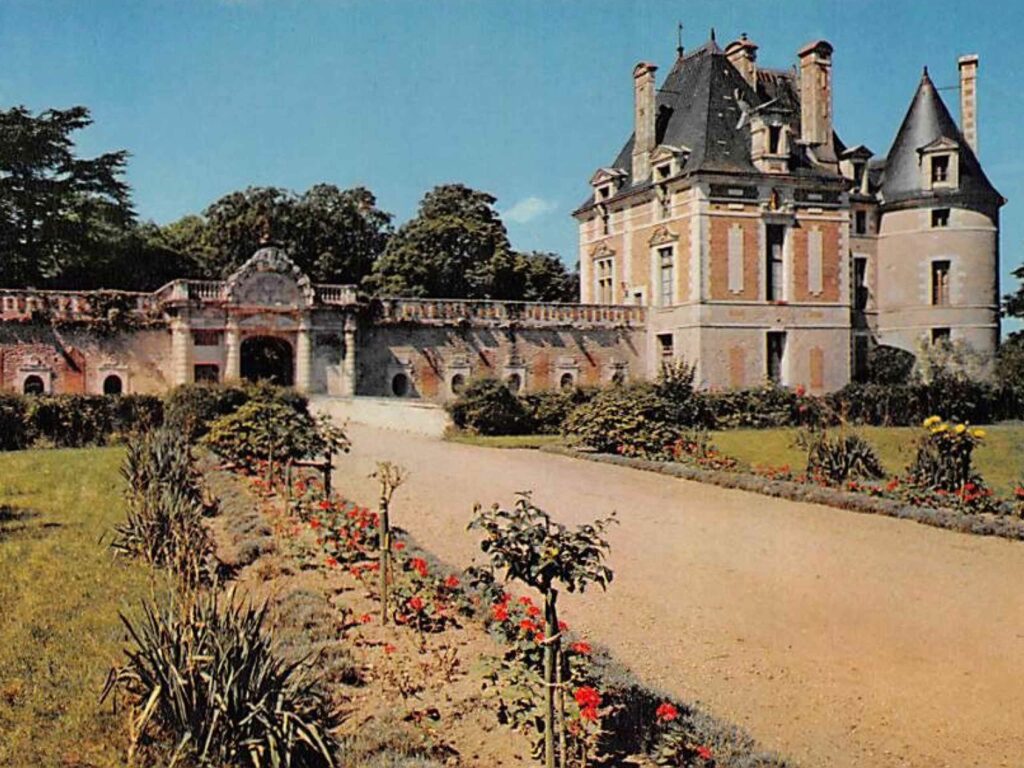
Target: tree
[
  {"x": 545, "y": 278},
  {"x": 1013, "y": 303},
  {"x": 57, "y": 210},
  {"x": 334, "y": 235}
]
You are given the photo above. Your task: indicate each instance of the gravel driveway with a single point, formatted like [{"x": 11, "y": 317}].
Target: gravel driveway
[{"x": 837, "y": 639}]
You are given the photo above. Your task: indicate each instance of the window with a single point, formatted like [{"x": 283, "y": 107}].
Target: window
[
  {"x": 400, "y": 385},
  {"x": 206, "y": 338},
  {"x": 605, "y": 281},
  {"x": 605, "y": 223},
  {"x": 858, "y": 171},
  {"x": 775, "y": 237},
  {"x": 940, "y": 336},
  {"x": 638, "y": 298},
  {"x": 774, "y": 139},
  {"x": 667, "y": 265},
  {"x": 776, "y": 350},
  {"x": 206, "y": 372},
  {"x": 33, "y": 385},
  {"x": 568, "y": 381},
  {"x": 940, "y": 169},
  {"x": 666, "y": 346},
  {"x": 604, "y": 192},
  {"x": 940, "y": 217},
  {"x": 860, "y": 222},
  {"x": 860, "y": 282},
  {"x": 112, "y": 385},
  {"x": 940, "y": 283},
  {"x": 618, "y": 378},
  {"x": 458, "y": 383},
  {"x": 664, "y": 204},
  {"x": 514, "y": 382},
  {"x": 663, "y": 171}
]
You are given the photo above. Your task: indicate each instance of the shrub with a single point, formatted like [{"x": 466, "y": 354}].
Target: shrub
[
  {"x": 890, "y": 365},
  {"x": 944, "y": 455},
  {"x": 547, "y": 410},
  {"x": 488, "y": 407},
  {"x": 265, "y": 429},
  {"x": 207, "y": 676},
  {"x": 635, "y": 420},
  {"x": 13, "y": 432},
  {"x": 73, "y": 421},
  {"x": 191, "y": 408},
  {"x": 759, "y": 408},
  {"x": 839, "y": 457}
]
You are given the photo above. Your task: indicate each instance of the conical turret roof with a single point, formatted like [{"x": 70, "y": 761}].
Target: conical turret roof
[{"x": 928, "y": 121}]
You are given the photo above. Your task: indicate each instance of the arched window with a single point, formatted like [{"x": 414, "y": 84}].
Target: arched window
[
  {"x": 619, "y": 378},
  {"x": 567, "y": 381},
  {"x": 458, "y": 383},
  {"x": 514, "y": 383},
  {"x": 112, "y": 385},
  {"x": 400, "y": 385},
  {"x": 33, "y": 385}
]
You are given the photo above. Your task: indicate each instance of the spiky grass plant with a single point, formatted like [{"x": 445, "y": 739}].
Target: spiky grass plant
[{"x": 206, "y": 676}]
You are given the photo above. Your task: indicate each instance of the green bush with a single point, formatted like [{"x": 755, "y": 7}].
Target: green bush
[
  {"x": 759, "y": 408},
  {"x": 838, "y": 457},
  {"x": 207, "y": 677},
  {"x": 547, "y": 410},
  {"x": 890, "y": 365},
  {"x": 190, "y": 408},
  {"x": 73, "y": 421},
  {"x": 635, "y": 420},
  {"x": 13, "y": 431},
  {"x": 488, "y": 407},
  {"x": 944, "y": 457}
]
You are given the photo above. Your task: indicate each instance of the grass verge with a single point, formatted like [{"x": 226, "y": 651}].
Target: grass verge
[
  {"x": 502, "y": 441},
  {"x": 60, "y": 592}
]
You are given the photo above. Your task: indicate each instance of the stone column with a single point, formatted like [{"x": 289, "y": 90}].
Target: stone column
[
  {"x": 181, "y": 351},
  {"x": 348, "y": 381},
  {"x": 304, "y": 356},
  {"x": 233, "y": 351}
]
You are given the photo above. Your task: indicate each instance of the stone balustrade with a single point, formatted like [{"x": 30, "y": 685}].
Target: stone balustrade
[
  {"x": 446, "y": 311},
  {"x": 336, "y": 294},
  {"x": 21, "y": 304}
]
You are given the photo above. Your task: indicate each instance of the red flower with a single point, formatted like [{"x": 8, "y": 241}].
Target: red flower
[
  {"x": 325, "y": 504},
  {"x": 389, "y": 648},
  {"x": 331, "y": 562},
  {"x": 419, "y": 565},
  {"x": 500, "y": 612},
  {"x": 399, "y": 545},
  {"x": 314, "y": 523},
  {"x": 586, "y": 696},
  {"x": 582, "y": 647},
  {"x": 539, "y": 636},
  {"x": 528, "y": 626},
  {"x": 365, "y": 618},
  {"x": 704, "y": 753},
  {"x": 416, "y": 603},
  {"x": 524, "y": 600},
  {"x": 666, "y": 712},
  {"x": 800, "y": 391},
  {"x": 533, "y": 610},
  {"x": 588, "y": 713},
  {"x": 563, "y": 627},
  {"x": 452, "y": 582}
]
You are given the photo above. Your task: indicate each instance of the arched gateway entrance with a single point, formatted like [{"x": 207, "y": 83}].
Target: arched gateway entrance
[{"x": 268, "y": 358}]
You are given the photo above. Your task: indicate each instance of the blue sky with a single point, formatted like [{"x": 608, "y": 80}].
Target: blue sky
[{"x": 522, "y": 99}]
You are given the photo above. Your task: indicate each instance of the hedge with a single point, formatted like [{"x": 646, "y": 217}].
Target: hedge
[{"x": 72, "y": 421}]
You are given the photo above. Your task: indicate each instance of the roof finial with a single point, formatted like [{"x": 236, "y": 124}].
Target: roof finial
[
  {"x": 712, "y": 34},
  {"x": 679, "y": 40},
  {"x": 924, "y": 75}
]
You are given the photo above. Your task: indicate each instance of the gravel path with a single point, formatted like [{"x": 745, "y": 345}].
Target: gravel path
[{"x": 835, "y": 638}]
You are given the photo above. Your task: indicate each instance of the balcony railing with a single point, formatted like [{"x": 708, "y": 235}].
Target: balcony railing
[{"x": 445, "y": 311}]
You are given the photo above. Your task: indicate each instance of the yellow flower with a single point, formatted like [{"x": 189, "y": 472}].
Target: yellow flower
[
  {"x": 931, "y": 420},
  {"x": 940, "y": 428},
  {"x": 979, "y": 433},
  {"x": 960, "y": 429}
]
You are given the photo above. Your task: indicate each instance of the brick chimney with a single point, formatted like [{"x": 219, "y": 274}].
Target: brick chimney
[
  {"x": 969, "y": 99},
  {"x": 643, "y": 117},
  {"x": 742, "y": 54},
  {"x": 816, "y": 92}
]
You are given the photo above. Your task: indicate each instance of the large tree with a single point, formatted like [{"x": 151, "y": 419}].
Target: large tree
[
  {"x": 334, "y": 235},
  {"x": 58, "y": 211},
  {"x": 457, "y": 247}
]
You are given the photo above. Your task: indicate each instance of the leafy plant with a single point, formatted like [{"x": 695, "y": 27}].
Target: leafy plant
[
  {"x": 635, "y": 420},
  {"x": 838, "y": 457},
  {"x": 943, "y": 459},
  {"x": 531, "y": 548},
  {"x": 207, "y": 676},
  {"x": 390, "y": 478},
  {"x": 486, "y": 406},
  {"x": 13, "y": 434}
]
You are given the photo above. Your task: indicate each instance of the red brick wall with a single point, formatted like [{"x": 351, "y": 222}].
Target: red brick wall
[{"x": 719, "y": 258}]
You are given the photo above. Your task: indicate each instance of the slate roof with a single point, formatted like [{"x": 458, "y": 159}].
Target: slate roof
[
  {"x": 927, "y": 121},
  {"x": 699, "y": 106}
]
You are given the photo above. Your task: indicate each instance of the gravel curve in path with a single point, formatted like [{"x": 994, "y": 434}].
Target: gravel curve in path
[{"x": 835, "y": 638}]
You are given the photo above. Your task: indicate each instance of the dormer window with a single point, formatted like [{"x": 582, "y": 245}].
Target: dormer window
[
  {"x": 940, "y": 164},
  {"x": 663, "y": 171},
  {"x": 605, "y": 192},
  {"x": 606, "y": 182},
  {"x": 940, "y": 169},
  {"x": 774, "y": 139}
]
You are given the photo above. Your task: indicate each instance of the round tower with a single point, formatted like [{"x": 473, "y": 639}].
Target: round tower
[{"x": 938, "y": 237}]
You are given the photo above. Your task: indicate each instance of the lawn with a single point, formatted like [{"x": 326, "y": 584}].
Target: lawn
[
  {"x": 502, "y": 441},
  {"x": 60, "y": 593},
  {"x": 1000, "y": 458}
]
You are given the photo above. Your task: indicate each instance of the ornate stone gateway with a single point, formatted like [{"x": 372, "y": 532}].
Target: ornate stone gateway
[{"x": 268, "y": 358}]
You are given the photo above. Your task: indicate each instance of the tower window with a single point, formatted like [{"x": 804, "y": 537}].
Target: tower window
[
  {"x": 666, "y": 346},
  {"x": 940, "y": 169},
  {"x": 667, "y": 266},
  {"x": 775, "y": 237},
  {"x": 776, "y": 349},
  {"x": 860, "y": 286},
  {"x": 860, "y": 222},
  {"x": 940, "y": 283},
  {"x": 605, "y": 281},
  {"x": 940, "y": 335},
  {"x": 940, "y": 217},
  {"x": 774, "y": 139}
]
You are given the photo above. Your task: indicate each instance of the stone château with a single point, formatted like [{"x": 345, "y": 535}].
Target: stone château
[{"x": 734, "y": 229}]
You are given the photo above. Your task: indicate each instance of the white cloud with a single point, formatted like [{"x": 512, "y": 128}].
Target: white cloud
[{"x": 528, "y": 209}]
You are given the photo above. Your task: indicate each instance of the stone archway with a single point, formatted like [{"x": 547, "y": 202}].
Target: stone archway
[{"x": 268, "y": 358}]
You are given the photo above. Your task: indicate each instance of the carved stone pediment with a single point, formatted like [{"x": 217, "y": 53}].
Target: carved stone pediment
[
  {"x": 601, "y": 251},
  {"x": 662, "y": 236},
  {"x": 270, "y": 279}
]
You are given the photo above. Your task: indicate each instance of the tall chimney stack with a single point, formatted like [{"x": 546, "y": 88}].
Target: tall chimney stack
[
  {"x": 969, "y": 99},
  {"x": 742, "y": 54},
  {"x": 816, "y": 93},
  {"x": 644, "y": 117}
]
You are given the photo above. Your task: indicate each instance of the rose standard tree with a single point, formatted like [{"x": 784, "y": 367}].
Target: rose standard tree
[{"x": 533, "y": 549}]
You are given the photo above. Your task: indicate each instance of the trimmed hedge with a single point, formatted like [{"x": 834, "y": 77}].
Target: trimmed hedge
[
  {"x": 191, "y": 408},
  {"x": 72, "y": 421}
]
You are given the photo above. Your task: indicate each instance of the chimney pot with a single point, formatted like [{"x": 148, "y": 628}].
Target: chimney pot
[
  {"x": 643, "y": 119},
  {"x": 969, "y": 99},
  {"x": 816, "y": 95}
]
